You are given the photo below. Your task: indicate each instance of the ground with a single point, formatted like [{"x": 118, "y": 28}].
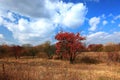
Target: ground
[{"x": 49, "y": 69}]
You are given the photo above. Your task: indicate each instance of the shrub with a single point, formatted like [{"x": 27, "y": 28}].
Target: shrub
[{"x": 113, "y": 56}]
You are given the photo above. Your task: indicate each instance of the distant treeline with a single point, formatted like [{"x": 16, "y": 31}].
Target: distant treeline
[
  {"x": 110, "y": 47},
  {"x": 27, "y": 50},
  {"x": 48, "y": 50}
]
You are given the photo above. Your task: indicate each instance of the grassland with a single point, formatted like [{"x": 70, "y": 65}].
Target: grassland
[{"x": 88, "y": 66}]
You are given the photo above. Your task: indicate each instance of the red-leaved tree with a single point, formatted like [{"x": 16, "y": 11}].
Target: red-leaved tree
[
  {"x": 17, "y": 51},
  {"x": 68, "y": 45}
]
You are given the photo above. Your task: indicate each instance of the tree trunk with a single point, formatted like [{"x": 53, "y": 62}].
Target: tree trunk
[
  {"x": 15, "y": 55},
  {"x": 61, "y": 56},
  {"x": 71, "y": 60}
]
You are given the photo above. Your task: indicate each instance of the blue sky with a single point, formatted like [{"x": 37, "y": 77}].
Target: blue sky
[{"x": 28, "y": 22}]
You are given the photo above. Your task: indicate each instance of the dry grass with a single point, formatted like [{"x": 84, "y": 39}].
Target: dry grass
[{"x": 44, "y": 69}]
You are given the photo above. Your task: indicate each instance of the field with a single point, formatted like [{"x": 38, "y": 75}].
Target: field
[{"x": 88, "y": 66}]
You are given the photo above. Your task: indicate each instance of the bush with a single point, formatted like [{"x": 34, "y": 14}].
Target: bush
[
  {"x": 113, "y": 56},
  {"x": 89, "y": 60}
]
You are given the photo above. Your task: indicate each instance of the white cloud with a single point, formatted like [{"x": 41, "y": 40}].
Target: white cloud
[
  {"x": 103, "y": 37},
  {"x": 103, "y": 16},
  {"x": 112, "y": 21},
  {"x": 31, "y": 32},
  {"x": 66, "y": 14},
  {"x": 4, "y": 41},
  {"x": 117, "y": 17},
  {"x": 105, "y": 22},
  {"x": 10, "y": 16},
  {"x": 72, "y": 15},
  {"x": 27, "y": 7},
  {"x": 1, "y": 36},
  {"x": 93, "y": 22},
  {"x": 110, "y": 15},
  {"x": 45, "y": 15},
  {"x": 118, "y": 25},
  {"x": 5, "y": 14},
  {"x": 1, "y": 21}
]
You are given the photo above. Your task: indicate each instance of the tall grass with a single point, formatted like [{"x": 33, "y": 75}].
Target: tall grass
[{"x": 45, "y": 69}]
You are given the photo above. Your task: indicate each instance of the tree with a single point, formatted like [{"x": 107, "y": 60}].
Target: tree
[
  {"x": 16, "y": 51},
  {"x": 68, "y": 45},
  {"x": 49, "y": 49},
  {"x": 112, "y": 52},
  {"x": 33, "y": 51},
  {"x": 111, "y": 47},
  {"x": 28, "y": 50},
  {"x": 95, "y": 47},
  {"x": 4, "y": 50}
]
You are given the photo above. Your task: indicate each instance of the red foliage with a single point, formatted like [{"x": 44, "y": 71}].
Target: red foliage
[
  {"x": 68, "y": 44},
  {"x": 17, "y": 50}
]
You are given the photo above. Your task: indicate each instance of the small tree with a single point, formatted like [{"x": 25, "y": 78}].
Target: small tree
[
  {"x": 112, "y": 52},
  {"x": 4, "y": 50},
  {"x": 68, "y": 45},
  {"x": 95, "y": 47},
  {"x": 49, "y": 49},
  {"x": 17, "y": 51},
  {"x": 33, "y": 51}
]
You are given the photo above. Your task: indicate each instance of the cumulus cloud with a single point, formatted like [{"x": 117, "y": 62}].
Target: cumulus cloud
[
  {"x": 45, "y": 17},
  {"x": 105, "y": 22},
  {"x": 4, "y": 41},
  {"x": 103, "y": 37},
  {"x": 71, "y": 15},
  {"x": 1, "y": 20},
  {"x": 35, "y": 9},
  {"x": 7, "y": 15},
  {"x": 1, "y": 36},
  {"x": 31, "y": 32},
  {"x": 93, "y": 22},
  {"x": 67, "y": 14},
  {"x": 43, "y": 8},
  {"x": 10, "y": 16}
]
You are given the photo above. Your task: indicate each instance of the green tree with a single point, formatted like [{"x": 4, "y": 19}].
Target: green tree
[{"x": 49, "y": 49}]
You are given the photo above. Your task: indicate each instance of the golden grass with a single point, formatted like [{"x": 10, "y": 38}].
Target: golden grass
[{"x": 45, "y": 69}]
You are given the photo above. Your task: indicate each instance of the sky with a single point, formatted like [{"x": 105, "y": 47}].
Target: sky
[{"x": 38, "y": 21}]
